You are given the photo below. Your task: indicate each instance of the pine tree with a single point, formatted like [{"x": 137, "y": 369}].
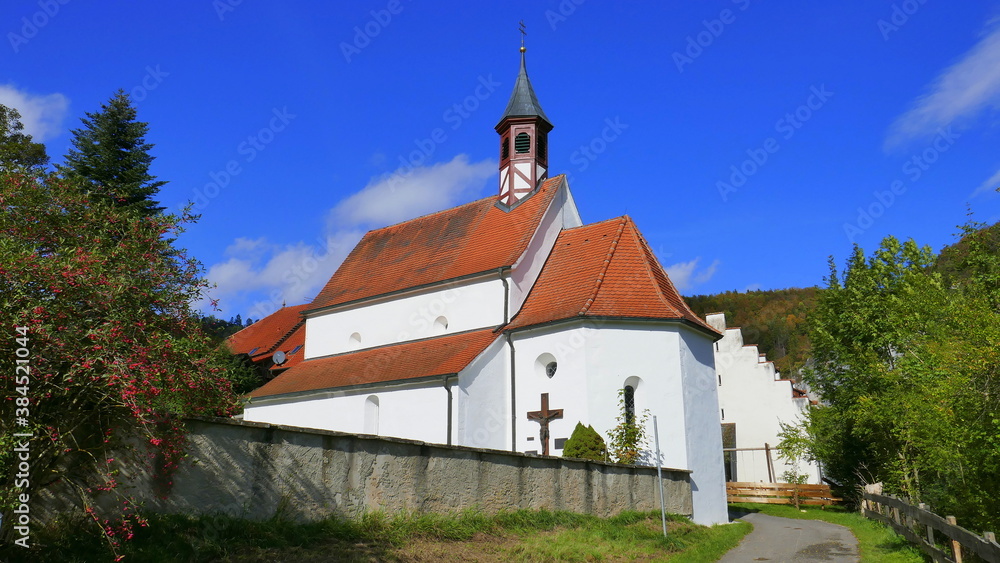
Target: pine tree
[
  {"x": 17, "y": 150},
  {"x": 585, "y": 443},
  {"x": 110, "y": 157}
]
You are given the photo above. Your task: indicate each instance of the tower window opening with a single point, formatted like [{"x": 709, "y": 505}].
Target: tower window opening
[
  {"x": 505, "y": 148},
  {"x": 541, "y": 146},
  {"x": 522, "y": 143},
  {"x": 629, "y": 396}
]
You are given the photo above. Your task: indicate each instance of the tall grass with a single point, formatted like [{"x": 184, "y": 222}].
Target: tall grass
[{"x": 521, "y": 535}]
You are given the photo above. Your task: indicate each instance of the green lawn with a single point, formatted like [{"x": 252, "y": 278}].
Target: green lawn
[
  {"x": 876, "y": 542},
  {"x": 513, "y": 536}
]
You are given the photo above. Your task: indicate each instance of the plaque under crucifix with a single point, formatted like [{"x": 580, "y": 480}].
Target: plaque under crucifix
[{"x": 543, "y": 417}]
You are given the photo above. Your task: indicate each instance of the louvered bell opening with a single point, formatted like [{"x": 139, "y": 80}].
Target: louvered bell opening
[
  {"x": 505, "y": 149},
  {"x": 522, "y": 143},
  {"x": 541, "y": 147}
]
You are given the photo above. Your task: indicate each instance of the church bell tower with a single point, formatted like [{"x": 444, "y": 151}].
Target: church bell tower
[{"x": 524, "y": 131}]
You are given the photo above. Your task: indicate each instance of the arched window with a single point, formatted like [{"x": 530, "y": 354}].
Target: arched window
[
  {"x": 371, "y": 415},
  {"x": 629, "y": 396},
  {"x": 440, "y": 325},
  {"x": 354, "y": 342},
  {"x": 505, "y": 148},
  {"x": 522, "y": 143}
]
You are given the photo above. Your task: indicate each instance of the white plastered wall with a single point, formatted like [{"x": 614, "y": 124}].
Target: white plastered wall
[
  {"x": 482, "y": 395},
  {"x": 415, "y": 411},
  {"x": 597, "y": 359},
  {"x": 752, "y": 397},
  {"x": 466, "y": 305}
]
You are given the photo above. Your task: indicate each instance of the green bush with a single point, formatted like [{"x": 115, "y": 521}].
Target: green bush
[{"x": 585, "y": 443}]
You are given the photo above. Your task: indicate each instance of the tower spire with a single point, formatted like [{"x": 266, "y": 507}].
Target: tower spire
[{"x": 525, "y": 125}]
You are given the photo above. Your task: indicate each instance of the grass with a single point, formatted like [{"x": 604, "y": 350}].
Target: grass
[
  {"x": 520, "y": 536},
  {"x": 876, "y": 542}
]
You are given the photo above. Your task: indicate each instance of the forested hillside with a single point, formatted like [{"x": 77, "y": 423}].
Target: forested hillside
[{"x": 773, "y": 320}]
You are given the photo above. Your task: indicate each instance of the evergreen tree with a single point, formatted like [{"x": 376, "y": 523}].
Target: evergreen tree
[
  {"x": 17, "y": 150},
  {"x": 585, "y": 443},
  {"x": 110, "y": 157}
]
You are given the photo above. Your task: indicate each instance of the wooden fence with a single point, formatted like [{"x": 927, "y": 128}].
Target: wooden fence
[
  {"x": 918, "y": 525},
  {"x": 780, "y": 493}
]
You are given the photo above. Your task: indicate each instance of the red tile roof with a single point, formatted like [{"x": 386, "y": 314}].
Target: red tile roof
[
  {"x": 603, "y": 270},
  {"x": 464, "y": 240},
  {"x": 282, "y": 330},
  {"x": 441, "y": 355}
]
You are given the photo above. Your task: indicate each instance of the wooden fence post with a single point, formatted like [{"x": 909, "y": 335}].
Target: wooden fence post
[
  {"x": 956, "y": 548},
  {"x": 930, "y": 529}
]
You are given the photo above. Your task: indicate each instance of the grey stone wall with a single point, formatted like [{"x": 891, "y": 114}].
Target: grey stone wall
[{"x": 252, "y": 470}]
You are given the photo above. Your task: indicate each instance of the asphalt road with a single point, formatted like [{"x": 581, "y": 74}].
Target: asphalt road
[{"x": 779, "y": 540}]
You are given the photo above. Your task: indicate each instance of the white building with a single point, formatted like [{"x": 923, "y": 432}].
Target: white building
[
  {"x": 458, "y": 326},
  {"x": 753, "y": 402}
]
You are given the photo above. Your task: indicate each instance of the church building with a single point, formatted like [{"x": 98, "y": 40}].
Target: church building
[{"x": 500, "y": 324}]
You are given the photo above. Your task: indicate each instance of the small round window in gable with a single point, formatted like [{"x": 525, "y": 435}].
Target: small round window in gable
[{"x": 550, "y": 369}]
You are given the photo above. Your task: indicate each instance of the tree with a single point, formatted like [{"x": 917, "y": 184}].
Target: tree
[
  {"x": 908, "y": 366},
  {"x": 585, "y": 443},
  {"x": 17, "y": 150},
  {"x": 628, "y": 439},
  {"x": 99, "y": 301},
  {"x": 110, "y": 157}
]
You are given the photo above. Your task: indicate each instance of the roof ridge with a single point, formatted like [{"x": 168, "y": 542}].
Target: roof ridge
[
  {"x": 252, "y": 325},
  {"x": 470, "y": 203},
  {"x": 604, "y": 266},
  {"x": 649, "y": 270},
  {"x": 285, "y": 336},
  {"x": 684, "y": 310}
]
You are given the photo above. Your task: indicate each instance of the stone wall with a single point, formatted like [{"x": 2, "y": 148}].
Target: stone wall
[{"x": 253, "y": 470}]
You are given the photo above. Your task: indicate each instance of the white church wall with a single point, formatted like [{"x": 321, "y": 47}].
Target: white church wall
[
  {"x": 415, "y": 411},
  {"x": 753, "y": 398},
  {"x": 561, "y": 214},
  {"x": 482, "y": 396},
  {"x": 704, "y": 435},
  {"x": 447, "y": 308},
  {"x": 567, "y": 388}
]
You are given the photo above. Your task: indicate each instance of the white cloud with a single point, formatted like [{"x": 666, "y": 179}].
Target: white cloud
[
  {"x": 404, "y": 195},
  {"x": 42, "y": 115},
  {"x": 262, "y": 275},
  {"x": 686, "y": 275},
  {"x": 960, "y": 91},
  {"x": 988, "y": 186}
]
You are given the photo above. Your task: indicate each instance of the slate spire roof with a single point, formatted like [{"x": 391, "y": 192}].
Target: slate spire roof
[{"x": 523, "y": 101}]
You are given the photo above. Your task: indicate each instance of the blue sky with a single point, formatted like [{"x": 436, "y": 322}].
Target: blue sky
[{"x": 749, "y": 140}]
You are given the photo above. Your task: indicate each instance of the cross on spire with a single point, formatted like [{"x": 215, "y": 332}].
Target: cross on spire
[
  {"x": 543, "y": 417},
  {"x": 523, "y": 33}
]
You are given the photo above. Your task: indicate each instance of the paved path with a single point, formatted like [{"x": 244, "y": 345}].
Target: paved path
[{"x": 779, "y": 540}]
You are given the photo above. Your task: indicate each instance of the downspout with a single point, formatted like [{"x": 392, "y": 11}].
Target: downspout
[
  {"x": 513, "y": 400},
  {"x": 506, "y": 296},
  {"x": 447, "y": 387}
]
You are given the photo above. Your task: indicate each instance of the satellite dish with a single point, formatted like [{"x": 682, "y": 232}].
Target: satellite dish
[{"x": 278, "y": 358}]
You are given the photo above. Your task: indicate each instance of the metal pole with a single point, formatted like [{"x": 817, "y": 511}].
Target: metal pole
[{"x": 659, "y": 476}]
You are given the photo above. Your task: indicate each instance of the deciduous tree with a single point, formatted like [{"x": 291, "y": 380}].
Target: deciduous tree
[
  {"x": 115, "y": 355},
  {"x": 17, "y": 149}
]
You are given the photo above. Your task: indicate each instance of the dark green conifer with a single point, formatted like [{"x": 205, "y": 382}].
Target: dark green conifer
[
  {"x": 585, "y": 443},
  {"x": 110, "y": 157}
]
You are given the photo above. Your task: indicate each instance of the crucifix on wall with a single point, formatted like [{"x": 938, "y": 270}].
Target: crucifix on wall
[{"x": 543, "y": 417}]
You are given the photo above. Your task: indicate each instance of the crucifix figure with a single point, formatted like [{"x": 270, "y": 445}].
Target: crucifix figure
[{"x": 543, "y": 417}]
